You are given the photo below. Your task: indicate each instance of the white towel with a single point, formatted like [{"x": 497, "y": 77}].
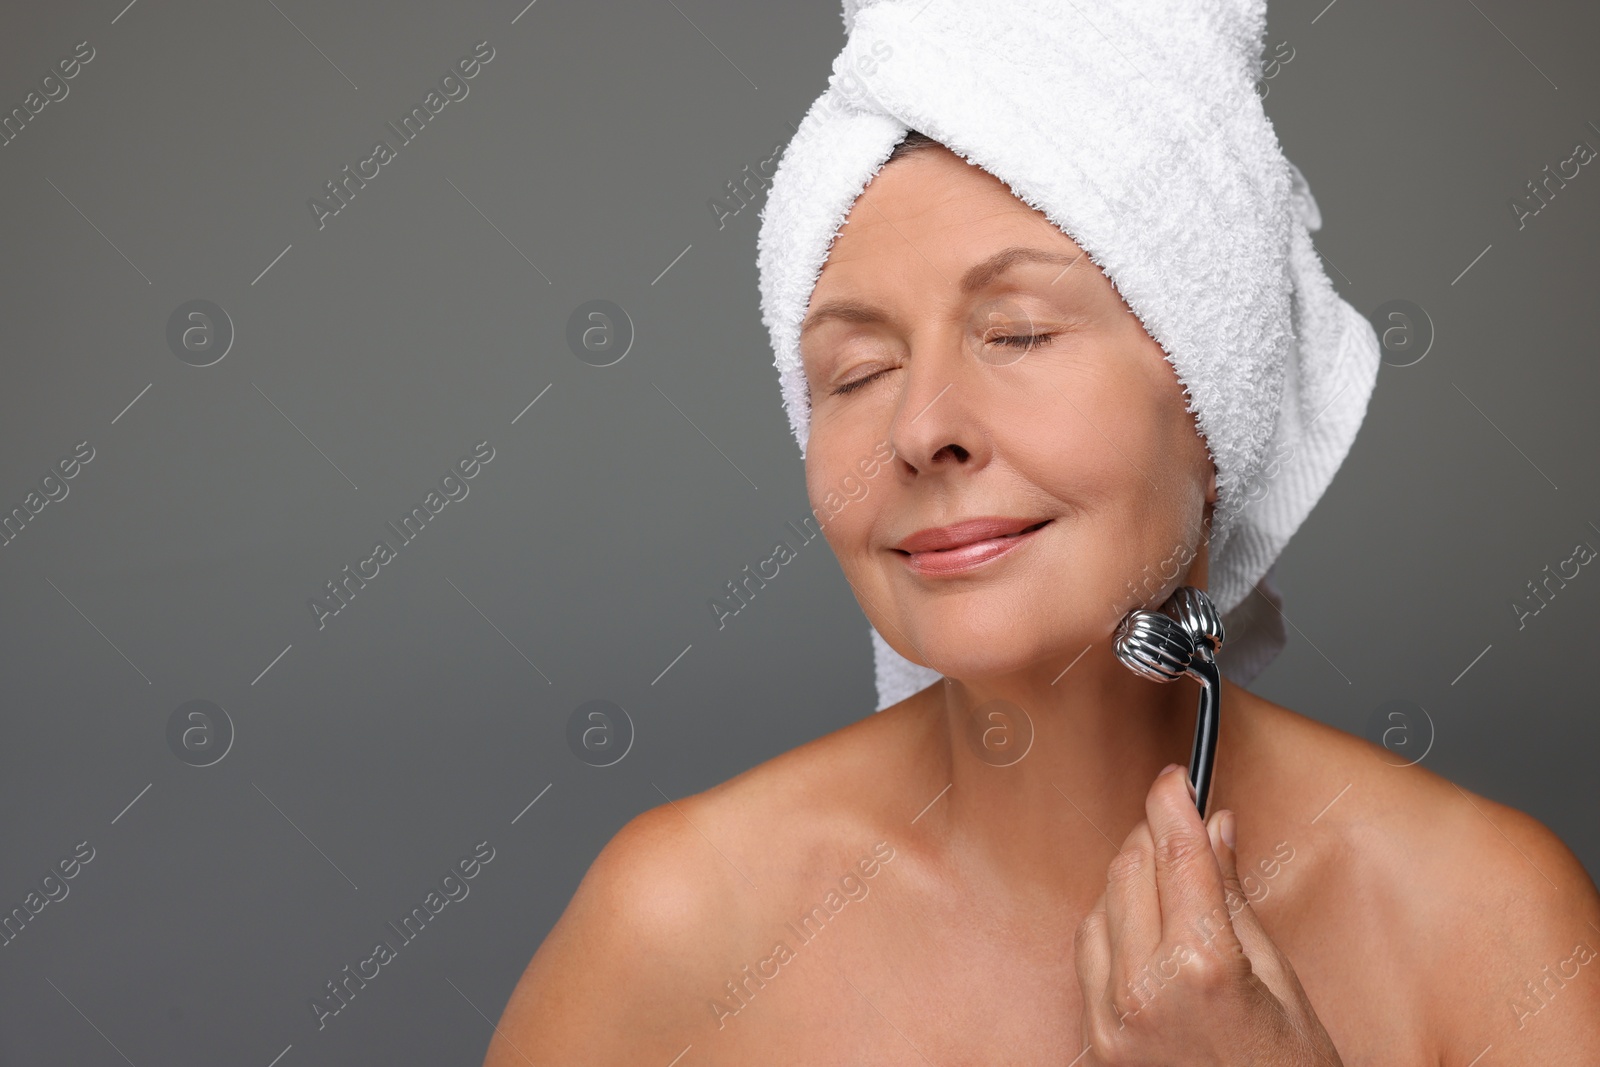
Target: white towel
[{"x": 1135, "y": 127}]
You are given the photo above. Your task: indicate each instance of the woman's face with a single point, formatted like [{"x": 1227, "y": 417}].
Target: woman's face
[{"x": 916, "y": 338}]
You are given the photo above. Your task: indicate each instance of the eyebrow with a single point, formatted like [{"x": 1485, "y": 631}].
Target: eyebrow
[{"x": 976, "y": 278}]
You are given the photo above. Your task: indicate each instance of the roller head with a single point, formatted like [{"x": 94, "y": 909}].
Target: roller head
[
  {"x": 1195, "y": 612},
  {"x": 1153, "y": 645}
]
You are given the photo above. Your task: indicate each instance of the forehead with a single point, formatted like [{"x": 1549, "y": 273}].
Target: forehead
[
  {"x": 929, "y": 190},
  {"x": 974, "y": 279},
  {"x": 932, "y": 226},
  {"x": 934, "y": 215}
]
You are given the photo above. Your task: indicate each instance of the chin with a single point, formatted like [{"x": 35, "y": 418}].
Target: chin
[{"x": 970, "y": 646}]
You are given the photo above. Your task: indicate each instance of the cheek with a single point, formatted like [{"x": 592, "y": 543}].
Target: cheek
[
  {"x": 1095, "y": 442},
  {"x": 841, "y": 499},
  {"x": 1121, "y": 456},
  {"x": 1164, "y": 503}
]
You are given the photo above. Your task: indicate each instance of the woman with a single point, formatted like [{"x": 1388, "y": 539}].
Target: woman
[{"x": 996, "y": 868}]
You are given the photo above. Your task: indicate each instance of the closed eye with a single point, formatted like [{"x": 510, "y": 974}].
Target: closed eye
[
  {"x": 850, "y": 387},
  {"x": 1017, "y": 341},
  {"x": 1023, "y": 341}
]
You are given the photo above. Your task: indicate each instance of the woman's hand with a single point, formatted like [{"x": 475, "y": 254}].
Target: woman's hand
[{"x": 1174, "y": 965}]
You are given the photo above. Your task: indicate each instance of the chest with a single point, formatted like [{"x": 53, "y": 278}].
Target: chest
[
  {"x": 990, "y": 982},
  {"x": 901, "y": 986}
]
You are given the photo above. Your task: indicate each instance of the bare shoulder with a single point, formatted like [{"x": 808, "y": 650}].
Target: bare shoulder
[
  {"x": 642, "y": 923},
  {"x": 669, "y": 907},
  {"x": 1487, "y": 921}
]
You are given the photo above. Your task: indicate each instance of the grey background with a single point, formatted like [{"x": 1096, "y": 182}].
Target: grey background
[{"x": 426, "y": 316}]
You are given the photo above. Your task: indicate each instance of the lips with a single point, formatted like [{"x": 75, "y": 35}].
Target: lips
[
  {"x": 952, "y": 550},
  {"x": 945, "y": 538}
]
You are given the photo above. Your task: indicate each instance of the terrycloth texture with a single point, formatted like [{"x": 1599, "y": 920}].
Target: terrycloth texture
[{"x": 1135, "y": 127}]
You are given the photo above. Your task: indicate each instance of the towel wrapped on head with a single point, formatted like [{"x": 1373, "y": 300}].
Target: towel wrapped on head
[{"x": 1136, "y": 128}]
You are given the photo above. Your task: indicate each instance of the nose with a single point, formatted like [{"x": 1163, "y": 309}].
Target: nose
[{"x": 938, "y": 423}]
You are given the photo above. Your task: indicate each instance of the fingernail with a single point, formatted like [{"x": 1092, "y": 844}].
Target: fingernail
[
  {"x": 1227, "y": 829},
  {"x": 1168, "y": 769}
]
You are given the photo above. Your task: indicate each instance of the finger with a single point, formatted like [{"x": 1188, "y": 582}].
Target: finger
[
  {"x": 1133, "y": 912},
  {"x": 1188, "y": 875},
  {"x": 1246, "y": 924},
  {"x": 1265, "y": 959},
  {"x": 1233, "y": 890},
  {"x": 1091, "y": 958}
]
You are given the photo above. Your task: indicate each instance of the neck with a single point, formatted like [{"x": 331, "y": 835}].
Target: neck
[{"x": 1048, "y": 771}]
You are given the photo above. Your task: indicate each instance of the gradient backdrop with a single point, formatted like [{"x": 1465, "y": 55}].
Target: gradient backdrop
[{"x": 247, "y": 390}]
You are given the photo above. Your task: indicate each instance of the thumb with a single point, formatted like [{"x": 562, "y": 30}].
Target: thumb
[
  {"x": 1219, "y": 828},
  {"x": 1268, "y": 963}
]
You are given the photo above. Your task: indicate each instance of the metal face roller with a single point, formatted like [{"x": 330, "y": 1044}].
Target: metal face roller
[
  {"x": 1153, "y": 645},
  {"x": 1198, "y": 615},
  {"x": 1166, "y": 647}
]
